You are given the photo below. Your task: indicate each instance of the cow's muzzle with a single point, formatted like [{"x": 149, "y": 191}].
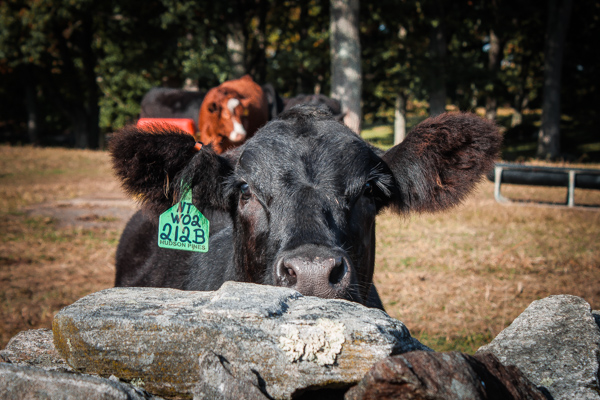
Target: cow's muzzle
[{"x": 315, "y": 273}]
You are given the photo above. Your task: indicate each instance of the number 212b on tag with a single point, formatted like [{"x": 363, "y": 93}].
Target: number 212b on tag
[{"x": 183, "y": 227}]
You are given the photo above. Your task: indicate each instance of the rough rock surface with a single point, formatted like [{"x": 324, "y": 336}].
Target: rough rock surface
[
  {"x": 24, "y": 383},
  {"x": 34, "y": 348},
  {"x": 443, "y": 376},
  {"x": 556, "y": 344},
  {"x": 218, "y": 383},
  {"x": 272, "y": 338}
]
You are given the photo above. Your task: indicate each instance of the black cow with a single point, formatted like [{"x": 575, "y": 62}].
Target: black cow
[
  {"x": 273, "y": 99},
  {"x": 334, "y": 106},
  {"x": 295, "y": 205},
  {"x": 171, "y": 103}
]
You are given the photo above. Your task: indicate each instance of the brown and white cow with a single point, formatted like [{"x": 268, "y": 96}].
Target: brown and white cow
[{"x": 231, "y": 113}]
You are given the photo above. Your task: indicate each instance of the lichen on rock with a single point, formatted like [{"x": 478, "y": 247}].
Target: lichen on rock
[{"x": 320, "y": 343}]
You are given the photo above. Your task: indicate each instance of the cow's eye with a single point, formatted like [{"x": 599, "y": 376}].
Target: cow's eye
[
  {"x": 368, "y": 190},
  {"x": 245, "y": 191}
]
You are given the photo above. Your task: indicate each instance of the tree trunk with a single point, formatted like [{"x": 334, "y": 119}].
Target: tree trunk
[
  {"x": 256, "y": 41},
  {"x": 346, "y": 75},
  {"x": 236, "y": 40},
  {"x": 79, "y": 125},
  {"x": 83, "y": 110},
  {"x": 399, "y": 119},
  {"x": 28, "y": 80},
  {"x": 32, "y": 113},
  {"x": 303, "y": 85},
  {"x": 261, "y": 75},
  {"x": 516, "y": 118},
  {"x": 235, "y": 48},
  {"x": 92, "y": 108},
  {"x": 521, "y": 102},
  {"x": 491, "y": 103},
  {"x": 559, "y": 12},
  {"x": 437, "y": 50}
]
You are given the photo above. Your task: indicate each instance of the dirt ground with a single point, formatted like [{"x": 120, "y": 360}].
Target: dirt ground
[{"x": 455, "y": 279}]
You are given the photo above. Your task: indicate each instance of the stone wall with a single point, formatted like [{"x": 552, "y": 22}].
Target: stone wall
[{"x": 264, "y": 342}]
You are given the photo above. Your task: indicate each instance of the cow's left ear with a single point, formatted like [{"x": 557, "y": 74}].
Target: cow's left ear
[
  {"x": 155, "y": 163},
  {"x": 441, "y": 160}
]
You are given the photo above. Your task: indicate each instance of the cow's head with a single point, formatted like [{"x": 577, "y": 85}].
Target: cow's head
[
  {"x": 303, "y": 193},
  {"x": 223, "y": 119}
]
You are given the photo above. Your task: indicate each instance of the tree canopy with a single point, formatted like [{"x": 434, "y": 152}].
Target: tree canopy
[{"x": 72, "y": 71}]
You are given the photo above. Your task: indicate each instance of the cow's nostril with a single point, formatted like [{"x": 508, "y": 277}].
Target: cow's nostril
[
  {"x": 287, "y": 274},
  {"x": 338, "y": 271}
]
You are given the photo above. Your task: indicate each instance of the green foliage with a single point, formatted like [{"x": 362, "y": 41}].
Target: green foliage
[
  {"x": 80, "y": 67},
  {"x": 297, "y": 47}
]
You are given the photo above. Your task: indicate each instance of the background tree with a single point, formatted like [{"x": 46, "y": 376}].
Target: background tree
[
  {"x": 393, "y": 55},
  {"x": 437, "y": 56},
  {"x": 346, "y": 75},
  {"x": 559, "y": 13},
  {"x": 296, "y": 46},
  {"x": 580, "y": 102},
  {"x": 85, "y": 56},
  {"x": 54, "y": 44},
  {"x": 72, "y": 71}
]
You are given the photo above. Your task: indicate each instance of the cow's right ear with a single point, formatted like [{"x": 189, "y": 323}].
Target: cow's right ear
[
  {"x": 441, "y": 160},
  {"x": 156, "y": 161}
]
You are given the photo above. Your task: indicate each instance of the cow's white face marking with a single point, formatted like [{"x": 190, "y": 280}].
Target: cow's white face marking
[
  {"x": 232, "y": 104},
  {"x": 238, "y": 133}
]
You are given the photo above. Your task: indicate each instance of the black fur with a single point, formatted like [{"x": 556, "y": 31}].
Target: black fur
[
  {"x": 302, "y": 193},
  {"x": 441, "y": 160},
  {"x": 152, "y": 162},
  {"x": 334, "y": 106},
  {"x": 273, "y": 99}
]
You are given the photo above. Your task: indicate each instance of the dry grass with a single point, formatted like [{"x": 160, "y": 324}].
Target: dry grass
[
  {"x": 43, "y": 267},
  {"x": 455, "y": 279}
]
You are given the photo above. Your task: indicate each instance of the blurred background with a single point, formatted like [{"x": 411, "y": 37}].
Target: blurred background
[{"x": 73, "y": 71}]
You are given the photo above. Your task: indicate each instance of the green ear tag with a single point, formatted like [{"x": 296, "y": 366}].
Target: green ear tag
[{"x": 183, "y": 227}]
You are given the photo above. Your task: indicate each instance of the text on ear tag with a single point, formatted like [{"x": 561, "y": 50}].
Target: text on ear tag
[{"x": 183, "y": 227}]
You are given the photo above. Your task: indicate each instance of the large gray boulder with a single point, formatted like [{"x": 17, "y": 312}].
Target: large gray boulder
[
  {"x": 182, "y": 343},
  {"x": 555, "y": 342}
]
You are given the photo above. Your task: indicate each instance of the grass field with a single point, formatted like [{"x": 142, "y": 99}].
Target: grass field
[{"x": 455, "y": 279}]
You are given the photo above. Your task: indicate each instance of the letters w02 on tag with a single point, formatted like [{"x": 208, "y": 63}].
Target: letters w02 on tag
[{"x": 183, "y": 227}]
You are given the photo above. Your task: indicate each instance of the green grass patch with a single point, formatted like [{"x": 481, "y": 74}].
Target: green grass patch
[
  {"x": 381, "y": 136},
  {"x": 467, "y": 344}
]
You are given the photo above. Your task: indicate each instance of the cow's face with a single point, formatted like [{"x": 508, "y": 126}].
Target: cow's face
[
  {"x": 223, "y": 120},
  {"x": 304, "y": 200},
  {"x": 303, "y": 193}
]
